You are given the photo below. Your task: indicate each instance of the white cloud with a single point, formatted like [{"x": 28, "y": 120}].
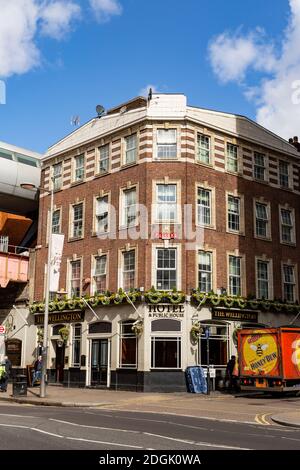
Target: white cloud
[
  {"x": 18, "y": 24},
  {"x": 145, "y": 91},
  {"x": 105, "y": 9},
  {"x": 232, "y": 55},
  {"x": 22, "y": 21},
  {"x": 57, "y": 18},
  {"x": 274, "y": 93}
]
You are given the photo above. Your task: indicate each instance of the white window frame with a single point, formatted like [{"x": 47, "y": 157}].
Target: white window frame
[
  {"x": 294, "y": 284},
  {"x": 98, "y": 215},
  {"x": 106, "y": 159},
  {"x": 59, "y": 177},
  {"x": 134, "y": 271},
  {"x": 166, "y": 269},
  {"x": 70, "y": 279},
  {"x": 121, "y": 337},
  {"x": 166, "y": 204},
  {"x": 76, "y": 169},
  {"x": 235, "y": 276},
  {"x": 133, "y": 149},
  {"x": 71, "y": 220},
  {"x": 240, "y": 214},
  {"x": 167, "y": 337},
  {"x": 204, "y": 147},
  {"x": 258, "y": 167},
  {"x": 124, "y": 209},
  {"x": 74, "y": 339},
  {"x": 166, "y": 145},
  {"x": 269, "y": 280},
  {"x": 282, "y": 175},
  {"x": 292, "y": 226},
  {"x": 208, "y": 272},
  {"x": 229, "y": 158},
  {"x": 93, "y": 274},
  {"x": 268, "y": 221}
]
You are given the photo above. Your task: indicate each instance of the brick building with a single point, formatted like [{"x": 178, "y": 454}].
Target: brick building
[{"x": 193, "y": 214}]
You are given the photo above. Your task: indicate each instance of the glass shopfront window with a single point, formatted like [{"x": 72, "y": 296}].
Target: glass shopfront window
[
  {"x": 218, "y": 345},
  {"x": 128, "y": 345}
]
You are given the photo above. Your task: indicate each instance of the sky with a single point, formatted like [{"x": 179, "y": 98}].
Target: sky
[{"x": 60, "y": 59}]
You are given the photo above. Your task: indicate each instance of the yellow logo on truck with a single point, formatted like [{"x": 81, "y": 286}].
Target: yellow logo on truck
[{"x": 260, "y": 353}]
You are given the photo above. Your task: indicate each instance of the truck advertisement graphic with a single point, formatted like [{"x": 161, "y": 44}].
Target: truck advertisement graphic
[
  {"x": 269, "y": 359},
  {"x": 260, "y": 354}
]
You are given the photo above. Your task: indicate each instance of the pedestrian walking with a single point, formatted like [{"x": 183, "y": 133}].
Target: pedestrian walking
[
  {"x": 5, "y": 371},
  {"x": 230, "y": 376},
  {"x": 37, "y": 370}
]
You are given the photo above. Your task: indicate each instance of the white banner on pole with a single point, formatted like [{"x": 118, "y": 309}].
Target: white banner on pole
[{"x": 56, "y": 255}]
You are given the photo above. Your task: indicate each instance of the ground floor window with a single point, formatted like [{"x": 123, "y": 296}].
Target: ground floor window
[
  {"x": 218, "y": 345},
  {"x": 76, "y": 345},
  {"x": 166, "y": 352},
  {"x": 128, "y": 345}
]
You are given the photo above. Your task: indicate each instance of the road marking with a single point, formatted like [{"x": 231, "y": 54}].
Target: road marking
[
  {"x": 103, "y": 442},
  {"x": 91, "y": 427},
  {"x": 261, "y": 419},
  {"x": 67, "y": 437},
  {"x": 18, "y": 416},
  {"x": 206, "y": 444}
]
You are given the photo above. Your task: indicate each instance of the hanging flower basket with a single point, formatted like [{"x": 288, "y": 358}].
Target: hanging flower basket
[
  {"x": 200, "y": 297},
  {"x": 41, "y": 307},
  {"x": 33, "y": 308},
  {"x": 64, "y": 333},
  {"x": 196, "y": 331},
  {"x": 138, "y": 328},
  {"x": 80, "y": 303}
]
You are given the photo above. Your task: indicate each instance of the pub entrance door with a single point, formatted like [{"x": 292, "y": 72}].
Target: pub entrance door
[{"x": 99, "y": 363}]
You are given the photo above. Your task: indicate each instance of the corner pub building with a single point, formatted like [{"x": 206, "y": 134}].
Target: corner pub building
[{"x": 175, "y": 218}]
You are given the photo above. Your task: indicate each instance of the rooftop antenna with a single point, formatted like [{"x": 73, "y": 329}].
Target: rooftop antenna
[
  {"x": 100, "y": 110},
  {"x": 150, "y": 94},
  {"x": 75, "y": 121}
]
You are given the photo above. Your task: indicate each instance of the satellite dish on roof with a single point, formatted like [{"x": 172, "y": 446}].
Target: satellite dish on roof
[{"x": 100, "y": 110}]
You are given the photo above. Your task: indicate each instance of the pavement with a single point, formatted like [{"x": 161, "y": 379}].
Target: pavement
[{"x": 241, "y": 407}]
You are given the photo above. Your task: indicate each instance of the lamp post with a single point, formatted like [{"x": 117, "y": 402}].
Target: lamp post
[
  {"x": 207, "y": 333},
  {"x": 47, "y": 293}
]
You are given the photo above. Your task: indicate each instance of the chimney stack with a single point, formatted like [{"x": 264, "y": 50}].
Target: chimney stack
[{"x": 295, "y": 142}]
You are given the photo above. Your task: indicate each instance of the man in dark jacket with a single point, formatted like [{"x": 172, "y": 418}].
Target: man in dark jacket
[
  {"x": 229, "y": 373},
  {"x": 8, "y": 369}
]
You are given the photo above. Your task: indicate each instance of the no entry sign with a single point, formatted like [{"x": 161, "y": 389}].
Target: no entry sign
[{"x": 2, "y": 330}]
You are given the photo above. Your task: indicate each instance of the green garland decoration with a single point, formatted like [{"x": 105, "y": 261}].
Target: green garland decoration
[
  {"x": 176, "y": 297},
  {"x": 228, "y": 301},
  {"x": 241, "y": 302},
  {"x": 105, "y": 300},
  {"x": 61, "y": 305},
  {"x": 215, "y": 300}
]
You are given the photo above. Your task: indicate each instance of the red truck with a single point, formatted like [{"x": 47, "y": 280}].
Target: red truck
[{"x": 269, "y": 359}]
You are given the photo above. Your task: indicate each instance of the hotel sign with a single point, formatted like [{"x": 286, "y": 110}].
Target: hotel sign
[
  {"x": 63, "y": 317},
  {"x": 166, "y": 311},
  {"x": 229, "y": 315}
]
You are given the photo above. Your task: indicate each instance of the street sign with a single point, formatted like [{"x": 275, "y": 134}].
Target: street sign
[{"x": 2, "y": 330}]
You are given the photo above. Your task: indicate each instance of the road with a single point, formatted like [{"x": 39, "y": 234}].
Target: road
[{"x": 57, "y": 428}]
